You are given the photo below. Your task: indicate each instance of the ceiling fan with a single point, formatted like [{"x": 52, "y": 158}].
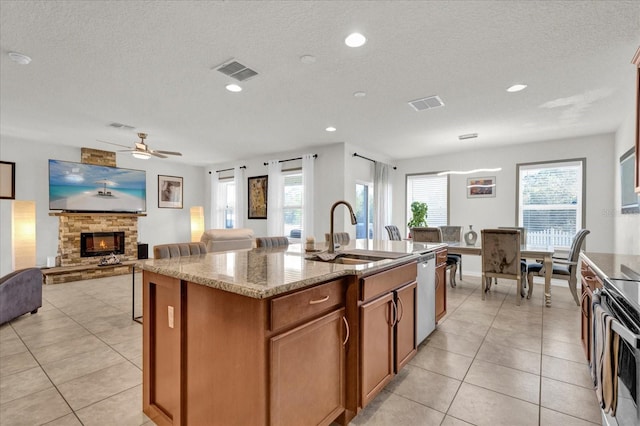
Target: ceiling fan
[{"x": 141, "y": 150}]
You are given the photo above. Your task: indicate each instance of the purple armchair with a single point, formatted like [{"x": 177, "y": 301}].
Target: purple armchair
[{"x": 20, "y": 292}]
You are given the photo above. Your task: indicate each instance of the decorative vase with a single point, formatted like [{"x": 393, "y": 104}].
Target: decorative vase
[{"x": 471, "y": 236}]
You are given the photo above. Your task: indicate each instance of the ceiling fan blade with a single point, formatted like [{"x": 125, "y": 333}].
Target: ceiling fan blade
[
  {"x": 126, "y": 150},
  {"x": 155, "y": 153},
  {"x": 168, "y": 152},
  {"x": 113, "y": 143}
]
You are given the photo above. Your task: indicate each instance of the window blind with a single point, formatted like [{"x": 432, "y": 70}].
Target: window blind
[{"x": 430, "y": 189}]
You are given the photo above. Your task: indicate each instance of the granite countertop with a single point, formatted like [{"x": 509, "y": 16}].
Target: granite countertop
[
  {"x": 262, "y": 273},
  {"x": 610, "y": 265}
]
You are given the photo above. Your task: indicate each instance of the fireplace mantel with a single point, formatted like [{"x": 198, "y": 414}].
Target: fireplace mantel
[{"x": 96, "y": 214}]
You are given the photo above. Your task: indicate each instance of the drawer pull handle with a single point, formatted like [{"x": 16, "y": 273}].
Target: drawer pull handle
[
  {"x": 400, "y": 309},
  {"x": 315, "y": 302},
  {"x": 346, "y": 324}
]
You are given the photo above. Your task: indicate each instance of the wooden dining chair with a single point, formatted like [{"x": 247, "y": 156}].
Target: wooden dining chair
[
  {"x": 501, "y": 258},
  {"x": 563, "y": 268},
  {"x": 394, "y": 233}
]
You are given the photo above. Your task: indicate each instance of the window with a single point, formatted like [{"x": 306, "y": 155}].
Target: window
[
  {"x": 431, "y": 189},
  {"x": 550, "y": 201},
  {"x": 364, "y": 210},
  {"x": 227, "y": 192},
  {"x": 292, "y": 202}
]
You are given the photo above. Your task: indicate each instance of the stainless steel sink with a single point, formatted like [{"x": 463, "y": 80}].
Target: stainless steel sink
[{"x": 360, "y": 258}]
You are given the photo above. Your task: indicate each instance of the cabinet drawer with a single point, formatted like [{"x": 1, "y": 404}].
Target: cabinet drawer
[
  {"x": 386, "y": 281},
  {"x": 441, "y": 257},
  {"x": 289, "y": 309}
]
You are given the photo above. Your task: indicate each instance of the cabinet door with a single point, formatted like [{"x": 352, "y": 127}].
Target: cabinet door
[
  {"x": 406, "y": 325},
  {"x": 441, "y": 292},
  {"x": 376, "y": 346},
  {"x": 308, "y": 372}
]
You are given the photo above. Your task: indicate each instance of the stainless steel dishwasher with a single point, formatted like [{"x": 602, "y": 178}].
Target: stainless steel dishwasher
[{"x": 426, "y": 309}]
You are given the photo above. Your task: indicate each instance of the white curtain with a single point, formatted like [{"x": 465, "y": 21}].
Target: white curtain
[
  {"x": 217, "y": 204},
  {"x": 275, "y": 200},
  {"x": 381, "y": 200},
  {"x": 240, "y": 209},
  {"x": 307, "y": 190}
]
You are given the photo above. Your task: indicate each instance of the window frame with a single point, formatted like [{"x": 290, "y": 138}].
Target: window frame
[
  {"x": 285, "y": 173},
  {"x": 550, "y": 163}
]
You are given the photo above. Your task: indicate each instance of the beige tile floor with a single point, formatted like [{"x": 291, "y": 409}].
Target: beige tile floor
[{"x": 78, "y": 362}]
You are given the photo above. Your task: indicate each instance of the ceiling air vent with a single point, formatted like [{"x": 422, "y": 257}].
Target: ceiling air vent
[
  {"x": 426, "y": 103},
  {"x": 236, "y": 70},
  {"x": 121, "y": 126}
]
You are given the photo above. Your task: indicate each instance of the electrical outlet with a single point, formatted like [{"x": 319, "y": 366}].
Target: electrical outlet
[{"x": 170, "y": 314}]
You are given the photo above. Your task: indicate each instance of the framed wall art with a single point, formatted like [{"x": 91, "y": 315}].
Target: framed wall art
[
  {"x": 481, "y": 187},
  {"x": 7, "y": 180},
  {"x": 258, "y": 197},
  {"x": 169, "y": 192}
]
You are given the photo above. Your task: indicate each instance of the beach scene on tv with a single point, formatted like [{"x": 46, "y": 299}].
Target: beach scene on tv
[{"x": 87, "y": 187}]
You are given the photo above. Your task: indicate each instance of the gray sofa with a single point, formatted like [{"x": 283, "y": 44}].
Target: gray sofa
[{"x": 20, "y": 292}]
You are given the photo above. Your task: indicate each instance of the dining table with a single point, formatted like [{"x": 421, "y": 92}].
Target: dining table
[{"x": 544, "y": 253}]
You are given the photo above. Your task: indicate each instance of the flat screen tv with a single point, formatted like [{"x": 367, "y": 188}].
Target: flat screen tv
[
  {"x": 77, "y": 187},
  {"x": 630, "y": 201}
]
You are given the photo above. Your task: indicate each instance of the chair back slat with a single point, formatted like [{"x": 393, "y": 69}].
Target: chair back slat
[
  {"x": 394, "y": 233},
  {"x": 426, "y": 235}
]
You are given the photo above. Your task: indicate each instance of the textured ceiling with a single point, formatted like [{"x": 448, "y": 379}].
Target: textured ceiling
[{"x": 150, "y": 65}]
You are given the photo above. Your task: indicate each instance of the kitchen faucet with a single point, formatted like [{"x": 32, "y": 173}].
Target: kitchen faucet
[{"x": 354, "y": 221}]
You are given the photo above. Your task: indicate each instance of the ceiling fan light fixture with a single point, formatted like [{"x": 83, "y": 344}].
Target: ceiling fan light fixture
[{"x": 141, "y": 155}]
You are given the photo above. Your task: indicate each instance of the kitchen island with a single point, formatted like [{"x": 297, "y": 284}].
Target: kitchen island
[{"x": 268, "y": 337}]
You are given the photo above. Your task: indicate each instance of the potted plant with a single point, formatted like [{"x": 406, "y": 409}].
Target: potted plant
[{"x": 419, "y": 215}]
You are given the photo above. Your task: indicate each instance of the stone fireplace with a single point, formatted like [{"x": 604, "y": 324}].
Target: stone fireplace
[{"x": 73, "y": 225}]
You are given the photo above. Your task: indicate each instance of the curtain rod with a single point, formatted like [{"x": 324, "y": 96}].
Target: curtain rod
[
  {"x": 292, "y": 159},
  {"x": 355, "y": 154},
  {"x": 226, "y": 170}
]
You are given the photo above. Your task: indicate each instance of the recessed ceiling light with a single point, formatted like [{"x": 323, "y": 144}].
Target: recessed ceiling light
[
  {"x": 307, "y": 59},
  {"x": 517, "y": 88},
  {"x": 359, "y": 94},
  {"x": 330, "y": 129},
  {"x": 19, "y": 58},
  {"x": 355, "y": 40},
  {"x": 233, "y": 88}
]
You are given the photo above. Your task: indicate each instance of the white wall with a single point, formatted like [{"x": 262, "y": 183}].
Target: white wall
[
  {"x": 32, "y": 183},
  {"x": 502, "y": 210},
  {"x": 627, "y": 226}
]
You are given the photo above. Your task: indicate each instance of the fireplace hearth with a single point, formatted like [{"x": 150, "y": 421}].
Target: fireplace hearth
[{"x": 101, "y": 243}]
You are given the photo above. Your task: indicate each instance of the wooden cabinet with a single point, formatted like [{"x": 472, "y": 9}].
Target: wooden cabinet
[
  {"x": 387, "y": 327},
  {"x": 590, "y": 282},
  {"x": 441, "y": 284},
  {"x": 308, "y": 372},
  {"x": 215, "y": 357}
]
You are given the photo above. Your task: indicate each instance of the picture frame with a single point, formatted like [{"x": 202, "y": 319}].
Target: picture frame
[
  {"x": 7, "y": 180},
  {"x": 481, "y": 187},
  {"x": 258, "y": 197},
  {"x": 170, "y": 191}
]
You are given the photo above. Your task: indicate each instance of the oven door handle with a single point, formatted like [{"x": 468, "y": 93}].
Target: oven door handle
[{"x": 622, "y": 331}]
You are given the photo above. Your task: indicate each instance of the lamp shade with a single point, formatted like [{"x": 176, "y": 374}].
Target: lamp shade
[
  {"x": 197, "y": 223},
  {"x": 23, "y": 234}
]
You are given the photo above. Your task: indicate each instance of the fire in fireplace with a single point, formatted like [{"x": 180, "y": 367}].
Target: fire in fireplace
[{"x": 101, "y": 243}]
